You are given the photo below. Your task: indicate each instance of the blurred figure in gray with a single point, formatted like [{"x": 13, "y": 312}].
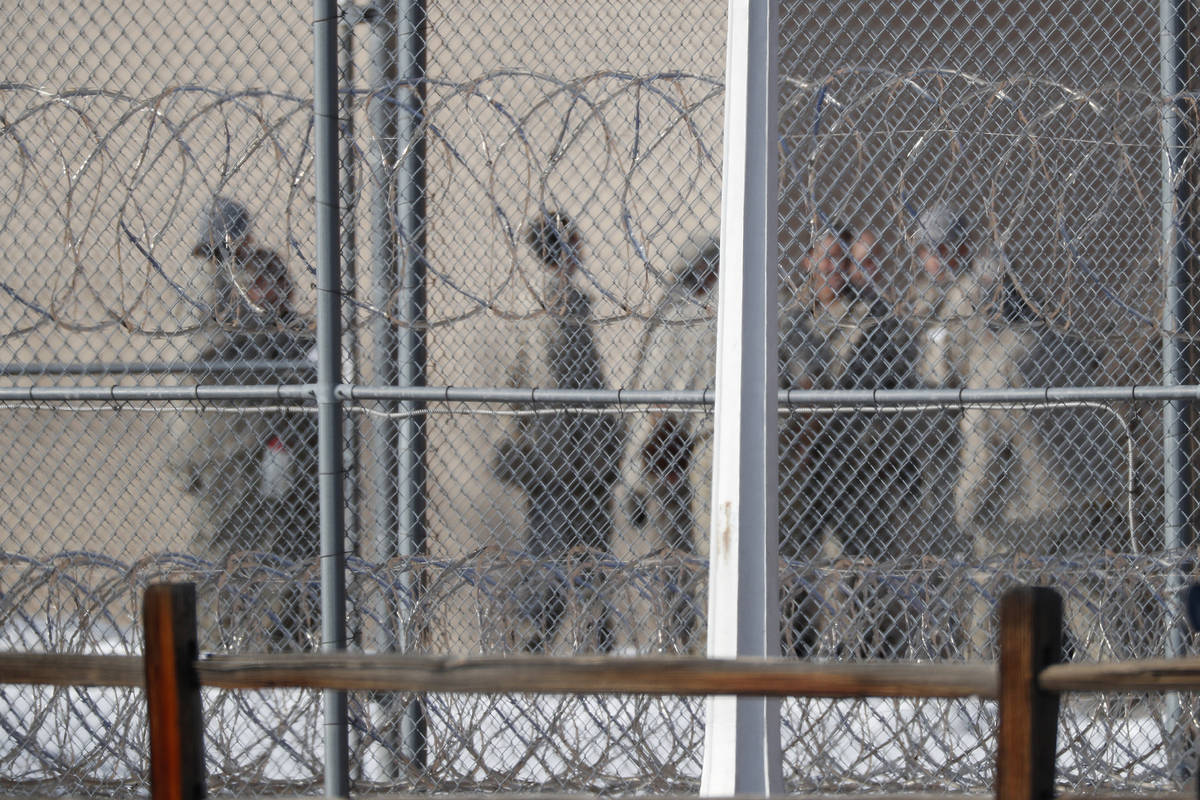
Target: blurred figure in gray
[
  {"x": 938, "y": 306},
  {"x": 670, "y": 463},
  {"x": 848, "y": 481},
  {"x": 1027, "y": 480},
  {"x": 565, "y": 462},
  {"x": 254, "y": 475},
  {"x": 936, "y": 302}
]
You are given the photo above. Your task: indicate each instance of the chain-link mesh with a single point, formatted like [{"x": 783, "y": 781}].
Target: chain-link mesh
[{"x": 972, "y": 197}]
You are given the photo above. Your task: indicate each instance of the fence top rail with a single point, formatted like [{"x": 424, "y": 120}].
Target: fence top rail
[
  {"x": 921, "y": 399},
  {"x": 71, "y": 669},
  {"x": 946, "y": 795},
  {"x": 1161, "y": 674},
  {"x": 599, "y": 674},
  {"x": 529, "y": 674},
  {"x": 845, "y": 796}
]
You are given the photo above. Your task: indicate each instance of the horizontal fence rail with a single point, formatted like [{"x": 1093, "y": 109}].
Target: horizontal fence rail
[
  {"x": 1027, "y": 682},
  {"x": 819, "y": 398},
  {"x": 528, "y": 674},
  {"x": 69, "y": 669},
  {"x": 1143, "y": 675}
]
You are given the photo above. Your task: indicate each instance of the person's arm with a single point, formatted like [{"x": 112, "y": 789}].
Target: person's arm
[{"x": 511, "y": 462}]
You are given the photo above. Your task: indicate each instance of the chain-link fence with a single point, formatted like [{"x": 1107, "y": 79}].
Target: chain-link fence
[{"x": 991, "y": 195}]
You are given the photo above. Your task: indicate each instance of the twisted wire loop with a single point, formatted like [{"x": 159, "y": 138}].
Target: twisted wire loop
[
  {"x": 1055, "y": 167},
  {"x": 101, "y": 162},
  {"x": 78, "y": 740},
  {"x": 1062, "y": 180}
]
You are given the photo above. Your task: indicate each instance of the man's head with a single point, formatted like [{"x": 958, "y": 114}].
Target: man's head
[
  {"x": 554, "y": 239},
  {"x": 826, "y": 262},
  {"x": 224, "y": 228},
  {"x": 939, "y": 240},
  {"x": 863, "y": 263}
]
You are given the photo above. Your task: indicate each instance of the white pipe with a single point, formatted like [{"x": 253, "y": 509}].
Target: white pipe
[{"x": 742, "y": 754}]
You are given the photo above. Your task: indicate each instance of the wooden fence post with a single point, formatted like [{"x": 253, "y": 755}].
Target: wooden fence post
[
  {"x": 1031, "y": 622},
  {"x": 173, "y": 692}
]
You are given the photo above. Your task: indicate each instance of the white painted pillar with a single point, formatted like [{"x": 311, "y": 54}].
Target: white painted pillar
[{"x": 741, "y": 739}]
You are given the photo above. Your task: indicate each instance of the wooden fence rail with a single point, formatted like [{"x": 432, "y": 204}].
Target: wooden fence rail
[{"x": 1027, "y": 682}]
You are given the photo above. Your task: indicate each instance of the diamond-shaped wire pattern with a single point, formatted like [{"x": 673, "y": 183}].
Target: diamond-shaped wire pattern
[{"x": 972, "y": 196}]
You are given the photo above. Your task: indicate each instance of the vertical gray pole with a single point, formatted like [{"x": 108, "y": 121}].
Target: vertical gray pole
[
  {"x": 398, "y": 480},
  {"x": 1174, "y": 262},
  {"x": 382, "y": 443},
  {"x": 741, "y": 738},
  {"x": 412, "y": 354},
  {"x": 349, "y": 249},
  {"x": 329, "y": 371},
  {"x": 349, "y": 245},
  {"x": 382, "y": 118}
]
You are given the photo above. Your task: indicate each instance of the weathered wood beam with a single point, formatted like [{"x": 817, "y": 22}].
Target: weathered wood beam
[
  {"x": 173, "y": 693},
  {"x": 635, "y": 675},
  {"x": 1031, "y": 624},
  {"x": 71, "y": 669},
  {"x": 1123, "y": 676}
]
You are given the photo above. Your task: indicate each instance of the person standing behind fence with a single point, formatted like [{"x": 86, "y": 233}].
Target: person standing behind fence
[
  {"x": 847, "y": 479},
  {"x": 937, "y": 303},
  {"x": 565, "y": 462},
  {"x": 938, "y": 308},
  {"x": 1025, "y": 478},
  {"x": 253, "y": 474},
  {"x": 670, "y": 462}
]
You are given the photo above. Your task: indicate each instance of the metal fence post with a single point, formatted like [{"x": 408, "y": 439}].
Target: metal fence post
[
  {"x": 381, "y": 119},
  {"x": 1174, "y": 203},
  {"x": 742, "y": 738},
  {"x": 329, "y": 373},
  {"x": 350, "y": 15},
  {"x": 349, "y": 244},
  {"x": 412, "y": 355},
  {"x": 398, "y": 279},
  {"x": 382, "y": 441}
]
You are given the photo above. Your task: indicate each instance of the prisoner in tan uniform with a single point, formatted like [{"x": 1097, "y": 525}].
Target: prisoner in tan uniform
[
  {"x": 1029, "y": 481},
  {"x": 669, "y": 466}
]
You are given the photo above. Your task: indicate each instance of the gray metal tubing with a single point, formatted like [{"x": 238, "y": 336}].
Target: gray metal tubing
[
  {"x": 506, "y": 395},
  {"x": 183, "y": 394},
  {"x": 383, "y": 442},
  {"x": 151, "y": 367},
  {"x": 349, "y": 247},
  {"x": 1174, "y": 255},
  {"x": 351, "y": 441},
  {"x": 742, "y": 751},
  {"x": 384, "y": 267},
  {"x": 948, "y": 398},
  {"x": 329, "y": 375},
  {"x": 814, "y": 397},
  {"x": 411, "y": 346},
  {"x": 1174, "y": 260},
  {"x": 410, "y": 221}
]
